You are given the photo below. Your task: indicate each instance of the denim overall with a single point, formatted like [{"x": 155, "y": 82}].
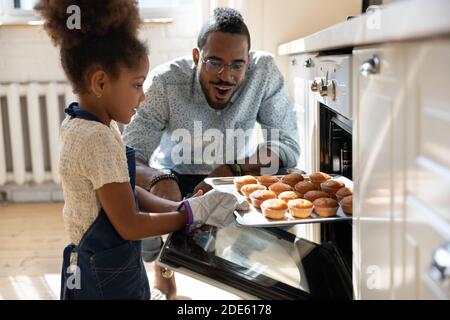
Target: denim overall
[{"x": 108, "y": 266}]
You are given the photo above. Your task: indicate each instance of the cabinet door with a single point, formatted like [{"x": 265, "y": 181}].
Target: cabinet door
[
  {"x": 402, "y": 171},
  {"x": 378, "y": 171},
  {"x": 300, "y": 76},
  {"x": 428, "y": 166}
]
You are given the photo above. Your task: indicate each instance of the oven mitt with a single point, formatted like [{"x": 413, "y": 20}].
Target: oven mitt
[{"x": 214, "y": 208}]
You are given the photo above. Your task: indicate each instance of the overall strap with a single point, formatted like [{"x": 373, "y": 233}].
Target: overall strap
[{"x": 74, "y": 111}]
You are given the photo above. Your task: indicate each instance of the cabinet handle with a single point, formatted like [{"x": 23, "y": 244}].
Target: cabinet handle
[
  {"x": 308, "y": 63},
  {"x": 371, "y": 66},
  {"x": 293, "y": 62},
  {"x": 440, "y": 265}
]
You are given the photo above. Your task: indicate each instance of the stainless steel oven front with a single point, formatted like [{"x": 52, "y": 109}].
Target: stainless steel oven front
[{"x": 333, "y": 95}]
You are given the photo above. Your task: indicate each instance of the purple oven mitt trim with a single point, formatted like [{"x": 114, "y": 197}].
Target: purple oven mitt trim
[{"x": 190, "y": 216}]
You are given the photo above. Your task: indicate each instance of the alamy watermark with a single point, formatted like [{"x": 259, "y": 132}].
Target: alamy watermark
[
  {"x": 373, "y": 21},
  {"x": 74, "y": 280},
  {"x": 214, "y": 146},
  {"x": 373, "y": 277},
  {"x": 74, "y": 20}
]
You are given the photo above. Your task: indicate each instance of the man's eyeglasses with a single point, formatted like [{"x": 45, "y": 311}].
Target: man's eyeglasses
[{"x": 216, "y": 67}]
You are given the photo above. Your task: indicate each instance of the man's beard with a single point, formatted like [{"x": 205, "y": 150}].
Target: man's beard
[{"x": 218, "y": 105}]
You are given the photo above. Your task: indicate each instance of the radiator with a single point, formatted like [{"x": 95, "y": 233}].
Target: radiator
[{"x": 30, "y": 117}]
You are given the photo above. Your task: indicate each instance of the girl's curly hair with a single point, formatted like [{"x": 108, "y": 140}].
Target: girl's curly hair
[{"x": 107, "y": 36}]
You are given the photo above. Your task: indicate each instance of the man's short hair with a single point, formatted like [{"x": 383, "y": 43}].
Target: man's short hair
[{"x": 223, "y": 20}]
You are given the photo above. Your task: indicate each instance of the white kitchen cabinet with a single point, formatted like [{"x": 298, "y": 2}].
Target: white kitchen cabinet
[
  {"x": 428, "y": 164},
  {"x": 301, "y": 73},
  {"x": 401, "y": 169},
  {"x": 377, "y": 121}
]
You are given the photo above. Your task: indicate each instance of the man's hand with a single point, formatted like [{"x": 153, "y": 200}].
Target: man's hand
[
  {"x": 202, "y": 186},
  {"x": 221, "y": 171},
  {"x": 167, "y": 189}
]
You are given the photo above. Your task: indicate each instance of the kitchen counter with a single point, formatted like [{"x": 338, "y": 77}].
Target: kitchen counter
[{"x": 406, "y": 20}]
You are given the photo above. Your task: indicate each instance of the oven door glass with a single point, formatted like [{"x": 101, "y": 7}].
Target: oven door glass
[{"x": 265, "y": 263}]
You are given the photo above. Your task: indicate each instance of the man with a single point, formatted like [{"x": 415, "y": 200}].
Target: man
[{"x": 195, "y": 110}]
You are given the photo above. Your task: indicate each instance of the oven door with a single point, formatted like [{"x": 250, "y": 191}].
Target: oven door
[{"x": 259, "y": 263}]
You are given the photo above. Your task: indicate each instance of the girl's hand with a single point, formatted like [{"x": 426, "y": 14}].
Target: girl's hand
[
  {"x": 215, "y": 208},
  {"x": 198, "y": 194}
]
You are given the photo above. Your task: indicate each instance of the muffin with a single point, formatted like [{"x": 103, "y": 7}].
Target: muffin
[
  {"x": 280, "y": 187},
  {"x": 259, "y": 196},
  {"x": 267, "y": 180},
  {"x": 318, "y": 177},
  {"x": 292, "y": 179},
  {"x": 250, "y": 188},
  {"x": 289, "y": 195},
  {"x": 326, "y": 207},
  {"x": 274, "y": 208},
  {"x": 347, "y": 205},
  {"x": 315, "y": 194},
  {"x": 300, "y": 208},
  {"x": 239, "y": 182},
  {"x": 343, "y": 192},
  {"x": 304, "y": 186},
  {"x": 331, "y": 186}
]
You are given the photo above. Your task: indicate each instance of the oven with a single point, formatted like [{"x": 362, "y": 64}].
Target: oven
[
  {"x": 259, "y": 263},
  {"x": 280, "y": 263}
]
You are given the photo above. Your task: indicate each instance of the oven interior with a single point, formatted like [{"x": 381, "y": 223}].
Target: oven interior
[{"x": 335, "y": 145}]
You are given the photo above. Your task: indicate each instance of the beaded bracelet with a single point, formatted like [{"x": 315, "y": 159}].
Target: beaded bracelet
[{"x": 169, "y": 176}]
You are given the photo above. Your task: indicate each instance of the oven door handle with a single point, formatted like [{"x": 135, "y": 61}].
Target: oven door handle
[{"x": 371, "y": 66}]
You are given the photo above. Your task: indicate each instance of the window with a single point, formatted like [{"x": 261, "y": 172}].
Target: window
[
  {"x": 22, "y": 10},
  {"x": 17, "y": 11},
  {"x": 19, "y": 7},
  {"x": 164, "y": 3},
  {"x": 24, "y": 4},
  {"x": 164, "y": 8}
]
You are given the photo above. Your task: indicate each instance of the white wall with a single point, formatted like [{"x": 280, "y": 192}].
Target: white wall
[
  {"x": 273, "y": 22},
  {"x": 27, "y": 54}
]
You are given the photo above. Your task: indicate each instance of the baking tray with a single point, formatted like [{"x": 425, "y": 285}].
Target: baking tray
[{"x": 254, "y": 217}]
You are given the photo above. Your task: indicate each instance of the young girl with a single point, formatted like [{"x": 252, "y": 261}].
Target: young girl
[{"x": 107, "y": 65}]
